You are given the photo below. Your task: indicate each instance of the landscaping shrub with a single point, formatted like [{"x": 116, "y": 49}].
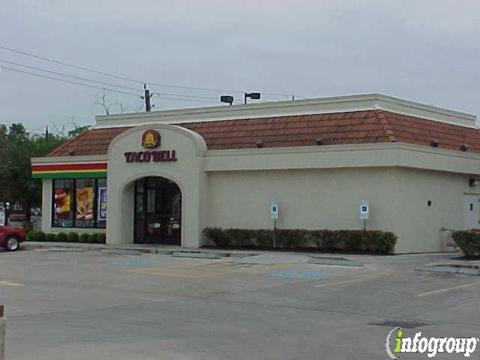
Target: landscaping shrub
[
  {"x": 100, "y": 238},
  {"x": 62, "y": 237},
  {"x": 31, "y": 235},
  {"x": 84, "y": 238},
  {"x": 51, "y": 237},
  {"x": 357, "y": 241},
  {"x": 468, "y": 241},
  {"x": 72, "y": 237},
  {"x": 39, "y": 236},
  {"x": 92, "y": 238},
  {"x": 27, "y": 226},
  {"x": 217, "y": 236}
]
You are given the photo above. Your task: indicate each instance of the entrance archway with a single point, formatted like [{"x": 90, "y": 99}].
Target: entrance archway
[{"x": 157, "y": 212}]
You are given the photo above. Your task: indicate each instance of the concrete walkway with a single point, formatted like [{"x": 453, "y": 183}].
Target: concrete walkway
[
  {"x": 132, "y": 248},
  {"x": 242, "y": 256},
  {"x": 250, "y": 256}
]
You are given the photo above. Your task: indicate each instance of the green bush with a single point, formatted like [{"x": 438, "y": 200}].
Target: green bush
[
  {"x": 72, "y": 237},
  {"x": 31, "y": 235},
  {"x": 468, "y": 241},
  {"x": 51, "y": 237},
  {"x": 217, "y": 236},
  {"x": 27, "y": 226},
  {"x": 92, "y": 238},
  {"x": 100, "y": 238},
  {"x": 357, "y": 241},
  {"x": 84, "y": 238},
  {"x": 40, "y": 236},
  {"x": 62, "y": 237}
]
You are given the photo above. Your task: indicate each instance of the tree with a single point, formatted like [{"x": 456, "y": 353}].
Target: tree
[
  {"x": 77, "y": 130},
  {"x": 17, "y": 147}
]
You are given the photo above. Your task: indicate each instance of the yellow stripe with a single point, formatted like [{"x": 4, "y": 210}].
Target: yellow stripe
[
  {"x": 352, "y": 281},
  {"x": 9, "y": 283},
  {"x": 448, "y": 289}
]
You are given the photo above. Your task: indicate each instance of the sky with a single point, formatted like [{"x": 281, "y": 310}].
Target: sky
[{"x": 427, "y": 51}]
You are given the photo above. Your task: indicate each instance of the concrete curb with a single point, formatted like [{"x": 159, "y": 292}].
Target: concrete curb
[
  {"x": 450, "y": 268},
  {"x": 136, "y": 249}
]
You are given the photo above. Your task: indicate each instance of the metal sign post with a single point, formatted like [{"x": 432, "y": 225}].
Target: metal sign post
[
  {"x": 274, "y": 216},
  {"x": 2, "y": 333},
  {"x": 364, "y": 212}
]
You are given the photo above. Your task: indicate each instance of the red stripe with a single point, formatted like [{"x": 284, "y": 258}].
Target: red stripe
[{"x": 60, "y": 167}]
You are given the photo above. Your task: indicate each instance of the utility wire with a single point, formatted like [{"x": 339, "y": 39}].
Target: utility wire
[
  {"x": 70, "y": 65},
  {"x": 98, "y": 87},
  {"x": 215, "y": 90},
  {"x": 186, "y": 96},
  {"x": 130, "y": 79},
  {"x": 68, "y": 81},
  {"x": 68, "y": 75},
  {"x": 103, "y": 82}
]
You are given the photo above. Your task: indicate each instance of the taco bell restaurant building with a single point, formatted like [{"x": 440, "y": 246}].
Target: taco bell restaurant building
[{"x": 162, "y": 177}]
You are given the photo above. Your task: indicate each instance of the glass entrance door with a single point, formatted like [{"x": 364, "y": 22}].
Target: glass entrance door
[{"x": 158, "y": 205}]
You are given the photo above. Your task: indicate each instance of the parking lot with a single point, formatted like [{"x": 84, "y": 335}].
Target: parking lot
[{"x": 78, "y": 304}]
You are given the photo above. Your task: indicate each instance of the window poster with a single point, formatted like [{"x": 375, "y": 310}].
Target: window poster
[
  {"x": 84, "y": 199},
  {"x": 62, "y": 203},
  {"x": 102, "y": 203}
]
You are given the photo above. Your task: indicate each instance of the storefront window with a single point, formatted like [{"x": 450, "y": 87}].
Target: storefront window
[
  {"x": 63, "y": 203},
  {"x": 101, "y": 203},
  {"x": 80, "y": 203},
  {"x": 85, "y": 194}
]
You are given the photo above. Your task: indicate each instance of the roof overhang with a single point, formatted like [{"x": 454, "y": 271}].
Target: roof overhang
[{"x": 289, "y": 108}]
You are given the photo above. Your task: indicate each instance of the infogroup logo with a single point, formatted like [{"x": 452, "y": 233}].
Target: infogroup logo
[{"x": 397, "y": 343}]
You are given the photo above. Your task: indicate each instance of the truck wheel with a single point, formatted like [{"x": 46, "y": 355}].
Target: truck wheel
[{"x": 12, "y": 243}]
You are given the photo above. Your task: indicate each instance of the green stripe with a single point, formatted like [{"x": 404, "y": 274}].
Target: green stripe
[{"x": 70, "y": 175}]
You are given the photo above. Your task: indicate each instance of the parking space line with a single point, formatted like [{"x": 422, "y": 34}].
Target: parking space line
[
  {"x": 352, "y": 281},
  {"x": 207, "y": 270},
  {"x": 439, "y": 291},
  {"x": 9, "y": 283},
  {"x": 168, "y": 273}
]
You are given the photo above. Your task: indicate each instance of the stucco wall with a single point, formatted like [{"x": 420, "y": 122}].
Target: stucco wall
[
  {"x": 187, "y": 172},
  {"x": 329, "y": 198},
  {"x": 419, "y": 225},
  {"x": 308, "y": 199}
]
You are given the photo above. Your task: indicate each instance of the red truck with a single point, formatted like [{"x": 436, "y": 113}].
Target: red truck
[{"x": 10, "y": 237}]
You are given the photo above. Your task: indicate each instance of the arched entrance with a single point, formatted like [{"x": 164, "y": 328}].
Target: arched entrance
[{"x": 158, "y": 211}]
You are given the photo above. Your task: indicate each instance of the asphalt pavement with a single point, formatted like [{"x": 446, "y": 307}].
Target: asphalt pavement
[{"x": 80, "y": 303}]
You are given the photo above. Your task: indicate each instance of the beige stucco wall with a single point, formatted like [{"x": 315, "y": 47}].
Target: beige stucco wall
[
  {"x": 330, "y": 198},
  {"x": 307, "y": 199},
  {"x": 187, "y": 173},
  {"x": 418, "y": 225}
]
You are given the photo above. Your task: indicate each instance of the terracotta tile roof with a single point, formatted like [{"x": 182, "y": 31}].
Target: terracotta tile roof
[
  {"x": 90, "y": 142},
  {"x": 360, "y": 127}
]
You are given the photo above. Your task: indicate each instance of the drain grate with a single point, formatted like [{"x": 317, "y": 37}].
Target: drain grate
[{"x": 404, "y": 324}]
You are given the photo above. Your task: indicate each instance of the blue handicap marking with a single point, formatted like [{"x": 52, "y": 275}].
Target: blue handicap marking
[{"x": 298, "y": 274}]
